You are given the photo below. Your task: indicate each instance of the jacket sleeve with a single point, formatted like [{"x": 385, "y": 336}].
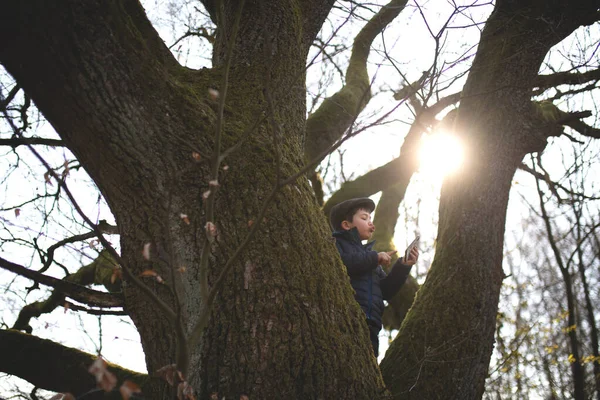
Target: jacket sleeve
[
  {"x": 358, "y": 263},
  {"x": 394, "y": 281}
]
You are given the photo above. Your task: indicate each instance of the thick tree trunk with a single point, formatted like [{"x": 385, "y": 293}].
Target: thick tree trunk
[
  {"x": 285, "y": 324},
  {"x": 445, "y": 343}
]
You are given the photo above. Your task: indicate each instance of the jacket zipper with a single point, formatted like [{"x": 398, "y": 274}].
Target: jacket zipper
[{"x": 370, "y": 296}]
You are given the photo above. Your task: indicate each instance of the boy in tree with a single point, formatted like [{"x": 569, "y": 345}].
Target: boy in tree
[{"x": 351, "y": 223}]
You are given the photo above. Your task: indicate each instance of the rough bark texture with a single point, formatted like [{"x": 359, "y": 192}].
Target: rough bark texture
[
  {"x": 443, "y": 348},
  {"x": 285, "y": 324}
]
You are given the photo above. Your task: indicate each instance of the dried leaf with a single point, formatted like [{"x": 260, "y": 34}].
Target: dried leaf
[
  {"x": 213, "y": 183},
  {"x": 66, "y": 306},
  {"x": 146, "y": 251},
  {"x": 62, "y": 396},
  {"x": 47, "y": 178},
  {"x": 206, "y": 194},
  {"x": 213, "y": 93},
  {"x": 181, "y": 269},
  {"x": 153, "y": 274},
  {"x": 196, "y": 156},
  {"x": 185, "y": 391},
  {"x": 117, "y": 274},
  {"x": 225, "y": 167},
  {"x": 184, "y": 218},
  {"x": 17, "y": 212},
  {"x": 128, "y": 388},
  {"x": 66, "y": 169},
  {"x": 168, "y": 373},
  {"x": 211, "y": 229},
  {"x": 104, "y": 378}
]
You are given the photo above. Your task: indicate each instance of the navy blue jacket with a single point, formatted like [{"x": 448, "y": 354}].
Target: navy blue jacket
[{"x": 370, "y": 282}]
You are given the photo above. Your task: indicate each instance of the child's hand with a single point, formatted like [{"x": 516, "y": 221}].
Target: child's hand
[
  {"x": 385, "y": 257},
  {"x": 412, "y": 258}
]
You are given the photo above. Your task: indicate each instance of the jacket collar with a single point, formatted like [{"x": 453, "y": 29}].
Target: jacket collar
[{"x": 352, "y": 236}]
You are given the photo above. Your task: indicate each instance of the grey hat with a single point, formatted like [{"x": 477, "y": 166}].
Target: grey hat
[{"x": 340, "y": 211}]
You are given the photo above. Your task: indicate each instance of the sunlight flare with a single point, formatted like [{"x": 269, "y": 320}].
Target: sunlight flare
[{"x": 440, "y": 154}]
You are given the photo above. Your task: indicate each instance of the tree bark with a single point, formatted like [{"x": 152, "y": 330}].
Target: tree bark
[
  {"x": 285, "y": 324},
  {"x": 445, "y": 343}
]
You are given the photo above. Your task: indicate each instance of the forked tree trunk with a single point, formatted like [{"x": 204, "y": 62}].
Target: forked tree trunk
[{"x": 285, "y": 324}]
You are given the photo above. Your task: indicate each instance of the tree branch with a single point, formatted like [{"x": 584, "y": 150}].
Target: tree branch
[
  {"x": 15, "y": 142},
  {"x": 583, "y": 128},
  {"x": 397, "y": 171},
  {"x": 4, "y": 102},
  {"x": 101, "y": 271},
  {"x": 103, "y": 226},
  {"x": 72, "y": 290},
  {"x": 548, "y": 112},
  {"x": 61, "y": 369},
  {"x": 551, "y": 184},
  {"x": 545, "y": 82},
  {"x": 335, "y": 115}
]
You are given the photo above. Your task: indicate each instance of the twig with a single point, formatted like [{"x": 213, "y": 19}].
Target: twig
[
  {"x": 72, "y": 290},
  {"x": 192, "y": 339},
  {"x": 170, "y": 314}
]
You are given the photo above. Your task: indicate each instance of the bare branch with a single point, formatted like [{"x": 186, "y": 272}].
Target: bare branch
[
  {"x": 553, "y": 186},
  {"x": 102, "y": 271},
  {"x": 103, "y": 226},
  {"x": 169, "y": 313},
  {"x": 15, "y": 142},
  {"x": 4, "y": 102},
  {"x": 398, "y": 170},
  {"x": 72, "y": 290},
  {"x": 583, "y": 128},
  {"x": 198, "y": 32},
  {"x": 61, "y": 369},
  {"x": 565, "y": 78},
  {"x": 93, "y": 311},
  {"x": 550, "y": 113},
  {"x": 335, "y": 115}
]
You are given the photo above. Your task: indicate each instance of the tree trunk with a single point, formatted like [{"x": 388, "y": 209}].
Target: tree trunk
[
  {"x": 285, "y": 324},
  {"x": 445, "y": 343}
]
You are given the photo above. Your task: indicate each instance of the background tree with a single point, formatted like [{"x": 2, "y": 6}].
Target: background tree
[{"x": 226, "y": 267}]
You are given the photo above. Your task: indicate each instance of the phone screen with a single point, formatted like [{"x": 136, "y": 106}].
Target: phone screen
[{"x": 411, "y": 246}]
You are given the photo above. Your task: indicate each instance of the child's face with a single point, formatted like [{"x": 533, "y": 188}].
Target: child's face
[{"x": 362, "y": 222}]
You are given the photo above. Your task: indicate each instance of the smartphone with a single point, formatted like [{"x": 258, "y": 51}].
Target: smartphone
[{"x": 411, "y": 246}]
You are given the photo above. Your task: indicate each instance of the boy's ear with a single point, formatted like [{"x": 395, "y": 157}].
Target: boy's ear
[{"x": 347, "y": 225}]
